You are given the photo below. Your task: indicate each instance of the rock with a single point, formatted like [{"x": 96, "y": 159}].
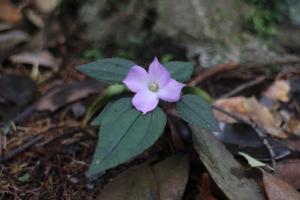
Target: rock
[
  {"x": 104, "y": 25},
  {"x": 289, "y": 37},
  {"x": 294, "y": 11},
  {"x": 213, "y": 31}
]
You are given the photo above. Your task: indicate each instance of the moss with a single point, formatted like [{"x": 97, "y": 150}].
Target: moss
[{"x": 265, "y": 17}]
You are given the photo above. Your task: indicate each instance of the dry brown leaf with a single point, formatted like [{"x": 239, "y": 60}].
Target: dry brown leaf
[
  {"x": 9, "y": 12},
  {"x": 36, "y": 58},
  {"x": 250, "y": 109},
  {"x": 66, "y": 94},
  {"x": 135, "y": 183},
  {"x": 10, "y": 39},
  {"x": 46, "y": 6},
  {"x": 293, "y": 126},
  {"x": 235, "y": 105},
  {"x": 279, "y": 91},
  {"x": 172, "y": 176},
  {"x": 206, "y": 190},
  {"x": 277, "y": 189},
  {"x": 289, "y": 171},
  {"x": 225, "y": 171},
  {"x": 165, "y": 180}
]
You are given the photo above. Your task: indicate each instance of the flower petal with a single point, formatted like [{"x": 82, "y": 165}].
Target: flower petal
[
  {"x": 171, "y": 91},
  {"x": 145, "y": 101},
  {"x": 158, "y": 73},
  {"x": 136, "y": 79}
]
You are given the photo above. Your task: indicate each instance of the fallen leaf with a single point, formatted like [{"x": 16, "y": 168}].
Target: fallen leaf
[
  {"x": 251, "y": 110},
  {"x": 293, "y": 144},
  {"x": 10, "y": 39},
  {"x": 172, "y": 176},
  {"x": 62, "y": 95},
  {"x": 206, "y": 190},
  {"x": 289, "y": 171},
  {"x": 136, "y": 184},
  {"x": 46, "y": 6},
  {"x": 278, "y": 91},
  {"x": 165, "y": 180},
  {"x": 253, "y": 162},
  {"x": 240, "y": 137},
  {"x": 68, "y": 93},
  {"x": 9, "y": 12},
  {"x": 293, "y": 126},
  {"x": 16, "y": 91},
  {"x": 34, "y": 18},
  {"x": 233, "y": 104},
  {"x": 277, "y": 189},
  {"x": 4, "y": 27},
  {"x": 36, "y": 58},
  {"x": 226, "y": 172}
]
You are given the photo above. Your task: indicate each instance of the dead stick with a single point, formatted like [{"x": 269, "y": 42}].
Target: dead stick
[
  {"x": 221, "y": 68},
  {"x": 20, "y": 149},
  {"x": 244, "y": 87},
  {"x": 212, "y": 71},
  {"x": 260, "y": 133}
]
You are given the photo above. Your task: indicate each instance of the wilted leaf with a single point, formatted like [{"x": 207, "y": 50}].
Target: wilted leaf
[
  {"x": 36, "y": 58},
  {"x": 226, "y": 172},
  {"x": 250, "y": 109},
  {"x": 277, "y": 189},
  {"x": 194, "y": 110},
  {"x": 125, "y": 132}
]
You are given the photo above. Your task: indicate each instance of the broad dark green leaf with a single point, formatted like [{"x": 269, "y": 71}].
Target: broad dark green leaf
[
  {"x": 125, "y": 132},
  {"x": 197, "y": 111},
  {"x": 108, "y": 70},
  {"x": 181, "y": 71}
]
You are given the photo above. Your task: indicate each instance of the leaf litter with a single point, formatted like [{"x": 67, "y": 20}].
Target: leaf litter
[{"x": 54, "y": 166}]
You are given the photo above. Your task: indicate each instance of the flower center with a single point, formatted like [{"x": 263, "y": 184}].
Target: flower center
[{"x": 153, "y": 87}]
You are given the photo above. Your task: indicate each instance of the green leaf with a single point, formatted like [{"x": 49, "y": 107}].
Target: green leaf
[
  {"x": 125, "y": 132},
  {"x": 108, "y": 70},
  {"x": 180, "y": 71},
  {"x": 253, "y": 162},
  {"x": 100, "y": 101},
  {"x": 197, "y": 111},
  {"x": 98, "y": 120},
  {"x": 199, "y": 92}
]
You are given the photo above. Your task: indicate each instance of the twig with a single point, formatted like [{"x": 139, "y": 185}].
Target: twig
[
  {"x": 221, "y": 68},
  {"x": 1, "y": 143},
  {"x": 212, "y": 71},
  {"x": 244, "y": 87},
  {"x": 20, "y": 149},
  {"x": 260, "y": 133}
]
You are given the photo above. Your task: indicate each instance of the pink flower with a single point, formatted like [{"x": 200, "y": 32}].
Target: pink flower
[{"x": 152, "y": 86}]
